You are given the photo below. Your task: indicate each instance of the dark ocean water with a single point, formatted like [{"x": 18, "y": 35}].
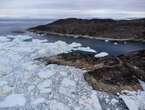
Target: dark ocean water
[{"x": 113, "y": 48}]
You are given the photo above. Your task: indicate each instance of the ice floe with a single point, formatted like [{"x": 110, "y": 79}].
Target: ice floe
[
  {"x": 13, "y": 100},
  {"x": 115, "y": 43},
  {"x": 106, "y": 40},
  {"x": 86, "y": 49},
  {"x": 68, "y": 87},
  {"x": 55, "y": 105},
  {"x": 101, "y": 54},
  {"x": 45, "y": 86},
  {"x": 134, "y": 100},
  {"x": 142, "y": 84},
  {"x": 4, "y": 39},
  {"x": 39, "y": 100},
  {"x": 46, "y": 73}
]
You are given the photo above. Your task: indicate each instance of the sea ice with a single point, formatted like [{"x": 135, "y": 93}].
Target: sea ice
[
  {"x": 55, "y": 105},
  {"x": 86, "y": 49},
  {"x": 22, "y": 78},
  {"x": 134, "y": 100},
  {"x": 44, "y": 86},
  {"x": 46, "y": 73},
  {"x": 68, "y": 87},
  {"x": 13, "y": 100},
  {"x": 142, "y": 84},
  {"x": 38, "y": 101}
]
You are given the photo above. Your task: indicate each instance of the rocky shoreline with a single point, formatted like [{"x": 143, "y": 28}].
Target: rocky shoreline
[
  {"x": 106, "y": 29},
  {"x": 107, "y": 74}
]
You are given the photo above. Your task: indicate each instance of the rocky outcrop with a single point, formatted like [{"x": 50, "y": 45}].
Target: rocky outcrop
[
  {"x": 121, "y": 73},
  {"x": 78, "y": 59},
  {"x": 108, "y": 74},
  {"x": 96, "y": 28}
]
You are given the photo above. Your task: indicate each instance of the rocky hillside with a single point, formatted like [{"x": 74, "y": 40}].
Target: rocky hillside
[{"x": 104, "y": 28}]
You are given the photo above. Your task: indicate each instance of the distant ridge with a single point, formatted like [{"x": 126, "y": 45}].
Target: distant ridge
[{"x": 96, "y": 28}]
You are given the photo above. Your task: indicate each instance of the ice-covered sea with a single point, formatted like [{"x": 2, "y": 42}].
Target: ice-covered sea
[{"x": 26, "y": 84}]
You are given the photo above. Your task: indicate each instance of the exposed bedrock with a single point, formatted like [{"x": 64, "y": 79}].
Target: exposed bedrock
[{"x": 108, "y": 74}]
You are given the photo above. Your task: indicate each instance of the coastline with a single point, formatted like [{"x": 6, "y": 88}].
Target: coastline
[
  {"x": 101, "y": 29},
  {"x": 87, "y": 36}
]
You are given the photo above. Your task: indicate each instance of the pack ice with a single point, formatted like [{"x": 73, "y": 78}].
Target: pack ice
[{"x": 26, "y": 84}]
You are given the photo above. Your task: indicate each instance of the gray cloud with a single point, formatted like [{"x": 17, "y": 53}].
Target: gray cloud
[{"x": 72, "y": 8}]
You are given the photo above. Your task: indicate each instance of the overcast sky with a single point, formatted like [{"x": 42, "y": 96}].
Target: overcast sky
[{"x": 72, "y": 8}]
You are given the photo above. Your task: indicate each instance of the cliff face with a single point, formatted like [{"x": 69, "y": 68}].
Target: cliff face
[{"x": 107, "y": 28}]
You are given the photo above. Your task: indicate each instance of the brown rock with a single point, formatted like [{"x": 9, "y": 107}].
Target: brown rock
[
  {"x": 109, "y": 74},
  {"x": 121, "y": 76}
]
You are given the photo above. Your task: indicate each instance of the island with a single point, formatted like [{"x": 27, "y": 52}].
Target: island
[{"x": 133, "y": 29}]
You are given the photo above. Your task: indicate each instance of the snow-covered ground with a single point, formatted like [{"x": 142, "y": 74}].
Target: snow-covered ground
[{"x": 26, "y": 84}]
